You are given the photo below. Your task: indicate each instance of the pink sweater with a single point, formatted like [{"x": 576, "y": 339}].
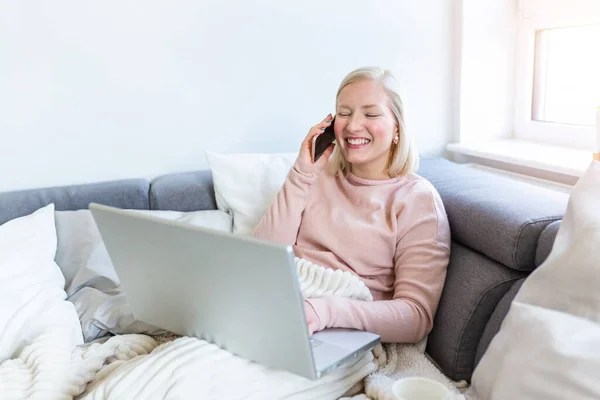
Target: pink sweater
[{"x": 393, "y": 234}]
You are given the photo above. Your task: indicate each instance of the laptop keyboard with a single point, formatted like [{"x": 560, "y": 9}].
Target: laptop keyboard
[{"x": 315, "y": 343}]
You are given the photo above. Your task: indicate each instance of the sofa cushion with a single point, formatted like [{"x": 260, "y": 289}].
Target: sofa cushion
[
  {"x": 474, "y": 285},
  {"x": 545, "y": 242},
  {"x": 500, "y": 217},
  {"x": 129, "y": 193},
  {"x": 185, "y": 191}
]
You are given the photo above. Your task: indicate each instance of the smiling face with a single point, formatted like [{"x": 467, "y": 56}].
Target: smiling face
[{"x": 365, "y": 128}]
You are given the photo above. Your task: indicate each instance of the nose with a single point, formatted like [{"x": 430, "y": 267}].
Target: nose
[{"x": 354, "y": 124}]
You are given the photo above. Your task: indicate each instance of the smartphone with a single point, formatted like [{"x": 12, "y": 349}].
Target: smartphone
[{"x": 321, "y": 142}]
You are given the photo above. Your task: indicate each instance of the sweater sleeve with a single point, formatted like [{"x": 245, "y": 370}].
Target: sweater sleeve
[
  {"x": 281, "y": 221},
  {"x": 420, "y": 262}
]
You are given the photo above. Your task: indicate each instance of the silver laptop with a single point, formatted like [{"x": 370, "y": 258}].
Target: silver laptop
[{"x": 237, "y": 292}]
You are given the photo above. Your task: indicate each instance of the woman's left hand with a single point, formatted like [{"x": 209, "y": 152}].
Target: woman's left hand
[{"x": 311, "y": 318}]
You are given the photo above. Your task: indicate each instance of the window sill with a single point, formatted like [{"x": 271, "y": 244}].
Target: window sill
[{"x": 535, "y": 156}]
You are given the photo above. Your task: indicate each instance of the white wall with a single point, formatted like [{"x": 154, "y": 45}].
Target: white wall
[
  {"x": 97, "y": 90},
  {"x": 487, "y": 56}
]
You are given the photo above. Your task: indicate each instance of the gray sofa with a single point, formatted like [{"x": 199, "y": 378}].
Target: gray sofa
[{"x": 502, "y": 229}]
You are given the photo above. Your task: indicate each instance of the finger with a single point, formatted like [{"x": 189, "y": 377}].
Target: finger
[
  {"x": 314, "y": 131},
  {"x": 323, "y": 124},
  {"x": 328, "y": 118},
  {"x": 319, "y": 128}
]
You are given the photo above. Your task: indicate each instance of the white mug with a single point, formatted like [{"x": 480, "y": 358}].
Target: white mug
[{"x": 415, "y": 388}]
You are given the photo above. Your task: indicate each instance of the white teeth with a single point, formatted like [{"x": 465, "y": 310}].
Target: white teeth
[{"x": 358, "y": 141}]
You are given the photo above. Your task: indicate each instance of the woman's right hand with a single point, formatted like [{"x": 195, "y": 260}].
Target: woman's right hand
[{"x": 306, "y": 148}]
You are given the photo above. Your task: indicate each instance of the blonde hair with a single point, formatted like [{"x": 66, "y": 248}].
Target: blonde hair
[{"x": 404, "y": 158}]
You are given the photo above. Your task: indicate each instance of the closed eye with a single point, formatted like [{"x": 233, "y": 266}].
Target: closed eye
[{"x": 372, "y": 115}]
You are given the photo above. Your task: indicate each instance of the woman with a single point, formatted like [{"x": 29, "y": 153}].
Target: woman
[{"x": 369, "y": 214}]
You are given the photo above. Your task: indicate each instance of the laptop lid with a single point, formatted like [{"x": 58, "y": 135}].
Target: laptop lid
[{"x": 238, "y": 292}]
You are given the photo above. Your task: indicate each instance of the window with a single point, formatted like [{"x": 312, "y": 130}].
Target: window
[
  {"x": 566, "y": 78},
  {"x": 557, "y": 72}
]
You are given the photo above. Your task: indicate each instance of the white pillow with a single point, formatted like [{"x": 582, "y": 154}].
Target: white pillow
[
  {"x": 81, "y": 254},
  {"x": 32, "y": 298},
  {"x": 91, "y": 281},
  {"x": 548, "y": 346},
  {"x": 247, "y": 184}
]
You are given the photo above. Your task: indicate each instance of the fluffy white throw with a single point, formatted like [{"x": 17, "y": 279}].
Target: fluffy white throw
[{"x": 138, "y": 367}]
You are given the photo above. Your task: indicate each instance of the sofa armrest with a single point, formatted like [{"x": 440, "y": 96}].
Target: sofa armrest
[
  {"x": 545, "y": 242},
  {"x": 497, "y": 216}
]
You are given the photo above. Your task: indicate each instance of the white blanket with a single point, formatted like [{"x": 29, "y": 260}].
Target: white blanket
[{"x": 137, "y": 367}]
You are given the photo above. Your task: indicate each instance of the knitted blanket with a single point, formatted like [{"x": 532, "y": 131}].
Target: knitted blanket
[{"x": 169, "y": 367}]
